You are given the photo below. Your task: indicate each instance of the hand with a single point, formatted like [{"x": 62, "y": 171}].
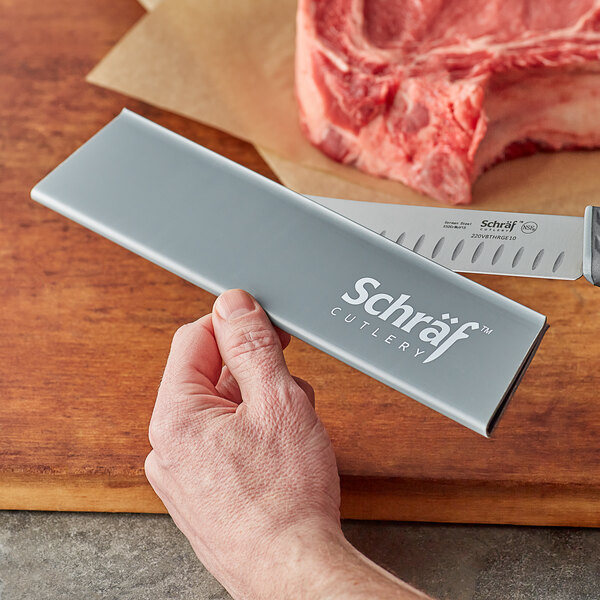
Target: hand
[
  {"x": 240, "y": 458},
  {"x": 245, "y": 468}
]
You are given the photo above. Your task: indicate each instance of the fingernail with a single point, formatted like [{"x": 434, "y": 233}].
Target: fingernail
[{"x": 233, "y": 304}]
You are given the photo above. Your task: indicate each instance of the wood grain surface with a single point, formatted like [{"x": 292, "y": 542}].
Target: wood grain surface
[{"x": 85, "y": 328}]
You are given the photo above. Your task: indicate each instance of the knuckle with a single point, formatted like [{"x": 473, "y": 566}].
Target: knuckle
[
  {"x": 295, "y": 409},
  {"x": 181, "y": 334},
  {"x": 162, "y": 431},
  {"x": 298, "y": 403},
  {"x": 250, "y": 340},
  {"x": 169, "y": 443},
  {"x": 150, "y": 466}
]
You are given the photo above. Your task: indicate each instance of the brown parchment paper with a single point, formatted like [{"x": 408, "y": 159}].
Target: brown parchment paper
[
  {"x": 230, "y": 64},
  {"x": 149, "y": 4}
]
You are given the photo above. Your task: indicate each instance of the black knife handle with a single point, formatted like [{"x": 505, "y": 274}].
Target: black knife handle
[{"x": 591, "y": 244}]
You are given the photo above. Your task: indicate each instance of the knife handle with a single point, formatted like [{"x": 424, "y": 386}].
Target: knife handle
[{"x": 591, "y": 244}]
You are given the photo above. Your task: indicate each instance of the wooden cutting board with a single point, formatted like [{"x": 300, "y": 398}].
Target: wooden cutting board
[{"x": 85, "y": 328}]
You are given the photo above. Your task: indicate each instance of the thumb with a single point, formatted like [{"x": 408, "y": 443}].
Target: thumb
[{"x": 250, "y": 346}]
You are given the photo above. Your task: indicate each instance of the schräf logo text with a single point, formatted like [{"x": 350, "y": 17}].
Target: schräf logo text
[{"x": 436, "y": 335}]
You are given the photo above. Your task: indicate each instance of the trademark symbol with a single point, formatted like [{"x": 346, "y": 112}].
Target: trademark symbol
[
  {"x": 486, "y": 329},
  {"x": 529, "y": 227}
]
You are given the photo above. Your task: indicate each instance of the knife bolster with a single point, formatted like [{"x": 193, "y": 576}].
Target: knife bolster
[{"x": 591, "y": 244}]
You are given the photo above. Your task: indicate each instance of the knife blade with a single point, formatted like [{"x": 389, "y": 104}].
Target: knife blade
[{"x": 494, "y": 242}]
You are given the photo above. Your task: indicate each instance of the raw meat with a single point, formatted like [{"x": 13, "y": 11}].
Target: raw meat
[{"x": 433, "y": 92}]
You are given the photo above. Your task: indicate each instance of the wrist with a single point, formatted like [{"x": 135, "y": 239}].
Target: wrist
[
  {"x": 318, "y": 563},
  {"x": 307, "y": 561}
]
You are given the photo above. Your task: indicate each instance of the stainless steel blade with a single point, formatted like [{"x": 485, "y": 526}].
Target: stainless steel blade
[{"x": 475, "y": 241}]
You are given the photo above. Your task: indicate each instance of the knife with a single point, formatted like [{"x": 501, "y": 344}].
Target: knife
[{"x": 477, "y": 241}]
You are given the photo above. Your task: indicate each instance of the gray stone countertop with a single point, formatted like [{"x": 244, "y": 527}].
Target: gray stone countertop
[{"x": 87, "y": 556}]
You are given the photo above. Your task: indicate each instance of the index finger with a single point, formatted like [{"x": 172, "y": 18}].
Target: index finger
[{"x": 194, "y": 362}]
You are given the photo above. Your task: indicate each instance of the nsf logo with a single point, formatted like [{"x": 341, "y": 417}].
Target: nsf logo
[{"x": 529, "y": 227}]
